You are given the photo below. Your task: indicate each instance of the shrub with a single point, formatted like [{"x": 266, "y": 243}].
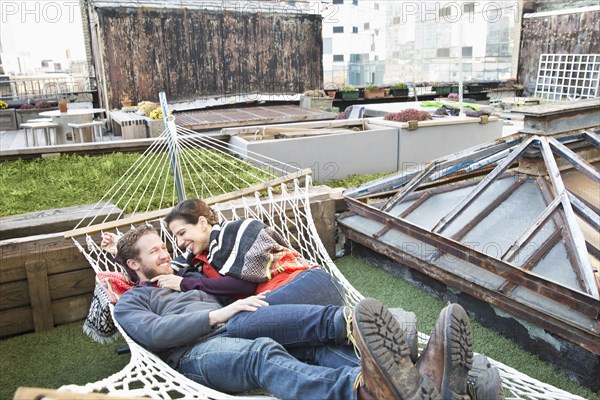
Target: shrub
[
  {"x": 408, "y": 115},
  {"x": 399, "y": 85},
  {"x": 42, "y": 104},
  {"x": 26, "y": 106},
  {"x": 146, "y": 107},
  {"x": 3, "y": 104},
  {"x": 156, "y": 113},
  {"x": 371, "y": 87}
]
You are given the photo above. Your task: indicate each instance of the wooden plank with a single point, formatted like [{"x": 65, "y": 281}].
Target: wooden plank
[
  {"x": 71, "y": 283},
  {"x": 53, "y": 220},
  {"x": 16, "y": 321},
  {"x": 323, "y": 213},
  {"x": 136, "y": 219},
  {"x": 59, "y": 253},
  {"x": 14, "y": 295},
  {"x": 39, "y": 294},
  {"x": 71, "y": 309},
  {"x": 28, "y": 393}
]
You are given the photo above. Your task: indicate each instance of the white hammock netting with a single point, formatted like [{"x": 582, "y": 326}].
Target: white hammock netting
[{"x": 212, "y": 170}]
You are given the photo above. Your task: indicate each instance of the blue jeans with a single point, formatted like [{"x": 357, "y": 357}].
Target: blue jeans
[
  {"x": 251, "y": 354},
  {"x": 235, "y": 365},
  {"x": 313, "y": 286}
]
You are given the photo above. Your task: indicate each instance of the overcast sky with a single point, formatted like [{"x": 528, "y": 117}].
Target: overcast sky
[{"x": 43, "y": 28}]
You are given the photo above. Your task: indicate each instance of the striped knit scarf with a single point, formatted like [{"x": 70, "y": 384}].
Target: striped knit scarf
[{"x": 248, "y": 249}]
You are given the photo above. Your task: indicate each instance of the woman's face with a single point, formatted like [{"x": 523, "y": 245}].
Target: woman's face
[{"x": 193, "y": 237}]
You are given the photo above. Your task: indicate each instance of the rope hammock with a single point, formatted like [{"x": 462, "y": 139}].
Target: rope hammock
[{"x": 213, "y": 170}]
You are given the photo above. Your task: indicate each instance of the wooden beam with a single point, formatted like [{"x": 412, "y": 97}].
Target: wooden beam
[
  {"x": 572, "y": 227},
  {"x": 456, "y": 211},
  {"x": 532, "y": 229},
  {"x": 416, "y": 204},
  {"x": 586, "y": 213},
  {"x": 408, "y": 188},
  {"x": 152, "y": 215},
  {"x": 39, "y": 295},
  {"x": 579, "y": 163}
]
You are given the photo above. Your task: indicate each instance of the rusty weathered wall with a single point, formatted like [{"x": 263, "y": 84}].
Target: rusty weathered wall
[
  {"x": 190, "y": 54},
  {"x": 560, "y": 34}
]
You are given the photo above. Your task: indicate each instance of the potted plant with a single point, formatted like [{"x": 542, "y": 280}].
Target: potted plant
[
  {"x": 442, "y": 88},
  {"x": 316, "y": 99},
  {"x": 349, "y": 93},
  {"x": 400, "y": 89},
  {"x": 410, "y": 114},
  {"x": 126, "y": 101},
  {"x": 8, "y": 118},
  {"x": 331, "y": 89},
  {"x": 374, "y": 92}
]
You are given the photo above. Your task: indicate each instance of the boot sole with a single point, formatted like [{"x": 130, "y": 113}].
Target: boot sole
[
  {"x": 385, "y": 353},
  {"x": 458, "y": 347}
]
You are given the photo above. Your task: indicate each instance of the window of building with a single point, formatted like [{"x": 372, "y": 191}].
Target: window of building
[
  {"x": 338, "y": 57},
  {"x": 367, "y": 26},
  {"x": 395, "y": 54},
  {"x": 338, "y": 29},
  {"x": 356, "y": 58},
  {"x": 376, "y": 6},
  {"x": 354, "y": 2},
  {"x": 467, "y": 51},
  {"x": 469, "y": 8},
  {"x": 338, "y": 1},
  {"x": 327, "y": 46},
  {"x": 443, "y": 52},
  {"x": 355, "y": 29}
]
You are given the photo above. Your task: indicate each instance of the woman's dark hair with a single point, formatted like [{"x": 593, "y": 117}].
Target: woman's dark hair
[{"x": 190, "y": 210}]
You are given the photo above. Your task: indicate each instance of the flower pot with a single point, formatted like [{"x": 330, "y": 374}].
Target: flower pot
[
  {"x": 350, "y": 95},
  {"x": 374, "y": 93},
  {"x": 62, "y": 106},
  {"x": 331, "y": 93},
  {"x": 399, "y": 92}
]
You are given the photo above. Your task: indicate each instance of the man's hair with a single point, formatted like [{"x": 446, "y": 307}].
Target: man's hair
[{"x": 127, "y": 247}]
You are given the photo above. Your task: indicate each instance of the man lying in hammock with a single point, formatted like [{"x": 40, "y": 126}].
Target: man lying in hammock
[
  {"x": 246, "y": 256},
  {"x": 294, "y": 351}
]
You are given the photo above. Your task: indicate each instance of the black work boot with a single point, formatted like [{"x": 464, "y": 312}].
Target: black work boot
[
  {"x": 387, "y": 370},
  {"x": 448, "y": 356}
]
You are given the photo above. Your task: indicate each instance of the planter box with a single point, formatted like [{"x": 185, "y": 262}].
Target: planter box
[
  {"x": 400, "y": 92},
  {"x": 374, "y": 93},
  {"x": 25, "y": 115},
  {"x": 330, "y": 148},
  {"x": 154, "y": 127},
  {"x": 350, "y": 95},
  {"x": 8, "y": 119},
  {"x": 316, "y": 103},
  {"x": 440, "y": 137}
]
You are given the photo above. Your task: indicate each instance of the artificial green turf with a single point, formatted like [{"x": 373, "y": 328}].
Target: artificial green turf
[{"x": 66, "y": 356}]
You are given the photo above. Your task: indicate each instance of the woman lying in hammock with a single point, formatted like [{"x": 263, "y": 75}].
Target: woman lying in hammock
[{"x": 241, "y": 258}]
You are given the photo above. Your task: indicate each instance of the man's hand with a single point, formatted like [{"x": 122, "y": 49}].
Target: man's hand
[
  {"x": 222, "y": 315},
  {"x": 172, "y": 281},
  {"x": 109, "y": 243}
]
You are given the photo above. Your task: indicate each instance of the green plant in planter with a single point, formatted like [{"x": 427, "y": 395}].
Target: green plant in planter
[
  {"x": 400, "y": 85},
  {"x": 410, "y": 114},
  {"x": 372, "y": 87},
  {"x": 349, "y": 93},
  {"x": 400, "y": 89}
]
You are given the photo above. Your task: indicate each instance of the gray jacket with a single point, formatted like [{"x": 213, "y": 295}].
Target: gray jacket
[{"x": 166, "y": 322}]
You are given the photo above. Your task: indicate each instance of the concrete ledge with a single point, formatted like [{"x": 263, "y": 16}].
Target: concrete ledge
[{"x": 53, "y": 220}]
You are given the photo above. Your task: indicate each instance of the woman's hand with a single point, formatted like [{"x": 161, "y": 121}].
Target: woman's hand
[
  {"x": 222, "y": 315},
  {"x": 172, "y": 281},
  {"x": 109, "y": 243}
]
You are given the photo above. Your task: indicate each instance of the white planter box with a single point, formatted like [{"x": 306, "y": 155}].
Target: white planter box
[
  {"x": 334, "y": 153},
  {"x": 440, "y": 137}
]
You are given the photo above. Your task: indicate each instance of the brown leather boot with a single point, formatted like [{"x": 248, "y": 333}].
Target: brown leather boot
[
  {"x": 388, "y": 372},
  {"x": 448, "y": 356}
]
